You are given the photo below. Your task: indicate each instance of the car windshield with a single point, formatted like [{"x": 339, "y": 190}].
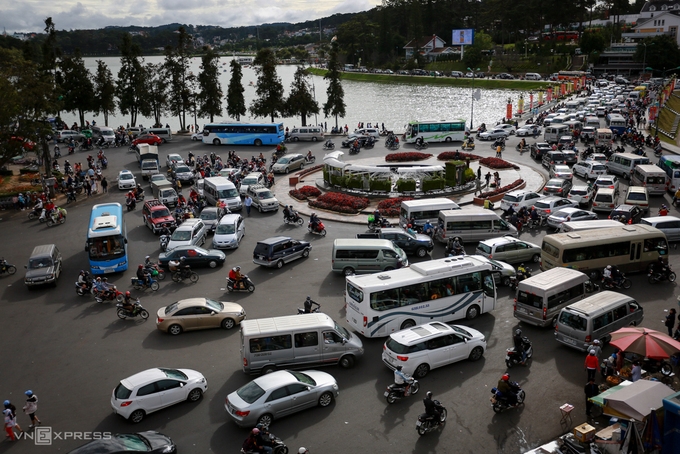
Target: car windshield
[
  {"x": 225, "y": 229},
  {"x": 637, "y": 196},
  {"x": 342, "y": 331},
  {"x": 181, "y": 235},
  {"x": 174, "y": 373},
  {"x": 171, "y": 308},
  {"x": 121, "y": 392},
  {"x": 227, "y": 193},
  {"x": 208, "y": 215},
  {"x": 554, "y": 183},
  {"x": 303, "y": 378},
  {"x": 578, "y": 191},
  {"x": 214, "y": 305},
  {"x": 133, "y": 442},
  {"x": 182, "y": 169},
  {"x": 283, "y": 161},
  {"x": 253, "y": 180},
  {"x": 162, "y": 213},
  {"x": 38, "y": 263},
  {"x": 460, "y": 330},
  {"x": 265, "y": 195},
  {"x": 125, "y": 176},
  {"x": 512, "y": 198},
  {"x": 250, "y": 392},
  {"x": 542, "y": 205}
]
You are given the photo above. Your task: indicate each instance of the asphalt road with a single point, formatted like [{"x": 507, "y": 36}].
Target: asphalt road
[{"x": 72, "y": 351}]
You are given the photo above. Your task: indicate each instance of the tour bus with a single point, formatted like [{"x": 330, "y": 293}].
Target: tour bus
[
  {"x": 436, "y": 131},
  {"x": 629, "y": 247},
  {"x": 422, "y": 210},
  {"x": 651, "y": 177},
  {"x": 243, "y": 134},
  {"x": 670, "y": 164},
  {"x": 443, "y": 290},
  {"x": 616, "y": 123},
  {"x": 107, "y": 239}
]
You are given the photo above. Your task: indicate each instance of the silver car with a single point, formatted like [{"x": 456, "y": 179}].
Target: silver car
[
  {"x": 556, "y": 219},
  {"x": 278, "y": 394}
]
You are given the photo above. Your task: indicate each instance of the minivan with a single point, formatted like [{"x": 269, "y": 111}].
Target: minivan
[
  {"x": 670, "y": 225},
  {"x": 605, "y": 200},
  {"x": 422, "y": 210},
  {"x": 552, "y": 133},
  {"x": 651, "y": 177},
  {"x": 44, "y": 266},
  {"x": 638, "y": 196},
  {"x": 359, "y": 256},
  {"x": 624, "y": 163},
  {"x": 532, "y": 76},
  {"x": 164, "y": 133},
  {"x": 105, "y": 132},
  {"x": 312, "y": 133},
  {"x": 220, "y": 189},
  {"x": 596, "y": 317},
  {"x": 288, "y": 162},
  {"x": 296, "y": 341},
  {"x": 278, "y": 250},
  {"x": 472, "y": 225},
  {"x": 577, "y": 226}
]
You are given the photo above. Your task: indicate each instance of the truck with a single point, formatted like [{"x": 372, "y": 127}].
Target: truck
[
  {"x": 418, "y": 244},
  {"x": 156, "y": 215},
  {"x": 163, "y": 191},
  {"x": 149, "y": 167},
  {"x": 146, "y": 151}
]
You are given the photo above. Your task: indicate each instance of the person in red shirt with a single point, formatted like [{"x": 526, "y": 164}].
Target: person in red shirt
[{"x": 591, "y": 364}]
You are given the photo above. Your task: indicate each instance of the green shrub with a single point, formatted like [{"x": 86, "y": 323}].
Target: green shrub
[
  {"x": 325, "y": 175},
  {"x": 354, "y": 183},
  {"x": 469, "y": 175},
  {"x": 430, "y": 184},
  {"x": 337, "y": 180},
  {"x": 380, "y": 185},
  {"x": 404, "y": 185},
  {"x": 452, "y": 172},
  {"x": 26, "y": 170}
]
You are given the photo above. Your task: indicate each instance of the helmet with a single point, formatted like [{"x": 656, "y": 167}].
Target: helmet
[
  {"x": 309, "y": 297},
  {"x": 105, "y": 279},
  {"x": 429, "y": 394},
  {"x": 259, "y": 426},
  {"x": 518, "y": 332},
  {"x": 609, "y": 267},
  {"x": 236, "y": 268},
  {"x": 99, "y": 279},
  {"x": 302, "y": 450},
  {"x": 29, "y": 393},
  {"x": 140, "y": 266},
  {"x": 409, "y": 226},
  {"x": 6, "y": 403},
  {"x": 404, "y": 225},
  {"x": 521, "y": 265},
  {"x": 400, "y": 367},
  {"x": 596, "y": 342},
  {"x": 127, "y": 293},
  {"x": 256, "y": 431},
  {"x": 505, "y": 377},
  {"x": 82, "y": 271},
  {"x": 147, "y": 257},
  {"x": 592, "y": 352}
]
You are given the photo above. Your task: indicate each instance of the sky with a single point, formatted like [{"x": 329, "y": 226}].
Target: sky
[{"x": 29, "y": 15}]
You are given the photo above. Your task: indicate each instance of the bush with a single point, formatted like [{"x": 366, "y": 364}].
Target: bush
[
  {"x": 27, "y": 170},
  {"x": 452, "y": 173},
  {"x": 310, "y": 191},
  {"x": 431, "y": 184},
  {"x": 391, "y": 207},
  {"x": 469, "y": 175},
  {"x": 340, "y": 203},
  {"x": 337, "y": 180},
  {"x": 376, "y": 184},
  {"x": 498, "y": 191},
  {"x": 457, "y": 155},
  {"x": 405, "y": 185},
  {"x": 496, "y": 163},
  {"x": 407, "y": 156},
  {"x": 297, "y": 194},
  {"x": 354, "y": 183}
]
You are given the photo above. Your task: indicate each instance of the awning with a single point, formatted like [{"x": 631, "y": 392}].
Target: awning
[{"x": 636, "y": 400}]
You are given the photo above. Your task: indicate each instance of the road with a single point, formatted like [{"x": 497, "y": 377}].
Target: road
[{"x": 72, "y": 351}]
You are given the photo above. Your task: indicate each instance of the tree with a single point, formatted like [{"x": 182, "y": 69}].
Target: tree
[
  {"x": 300, "y": 101},
  {"x": 236, "y": 102},
  {"x": 77, "y": 86},
  {"x": 154, "y": 103},
  {"x": 176, "y": 67},
  {"x": 662, "y": 53},
  {"x": 335, "y": 104},
  {"x": 592, "y": 41},
  {"x": 269, "y": 87},
  {"x": 210, "y": 91},
  {"x": 130, "y": 88},
  {"x": 105, "y": 91}
]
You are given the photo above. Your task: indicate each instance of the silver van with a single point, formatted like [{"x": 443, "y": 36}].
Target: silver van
[
  {"x": 669, "y": 225},
  {"x": 552, "y": 133},
  {"x": 44, "y": 266},
  {"x": 312, "y": 133},
  {"x": 532, "y": 76},
  {"x": 624, "y": 163},
  {"x": 104, "y": 132},
  {"x": 164, "y": 133},
  {"x": 472, "y": 225},
  {"x": 359, "y": 256},
  {"x": 220, "y": 189},
  {"x": 296, "y": 341},
  {"x": 596, "y": 317}
]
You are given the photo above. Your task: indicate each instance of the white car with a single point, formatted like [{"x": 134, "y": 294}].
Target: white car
[
  {"x": 154, "y": 389},
  {"x": 373, "y": 132},
  {"x": 126, "y": 180},
  {"x": 172, "y": 159},
  {"x": 528, "y": 130},
  {"x": 494, "y": 134},
  {"x": 507, "y": 126},
  {"x": 607, "y": 181},
  {"x": 561, "y": 171},
  {"x": 556, "y": 219},
  {"x": 191, "y": 232},
  {"x": 518, "y": 199},
  {"x": 229, "y": 232},
  {"x": 197, "y": 136},
  {"x": 581, "y": 194},
  {"x": 589, "y": 169}
]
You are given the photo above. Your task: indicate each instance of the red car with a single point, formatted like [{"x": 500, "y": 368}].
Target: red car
[
  {"x": 26, "y": 144},
  {"x": 151, "y": 139}
]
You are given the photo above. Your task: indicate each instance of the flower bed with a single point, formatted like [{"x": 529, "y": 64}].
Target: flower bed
[
  {"x": 305, "y": 192},
  {"x": 308, "y": 170},
  {"x": 407, "y": 156},
  {"x": 497, "y": 164},
  {"x": 502, "y": 190},
  {"x": 340, "y": 203},
  {"x": 457, "y": 156},
  {"x": 390, "y": 207}
]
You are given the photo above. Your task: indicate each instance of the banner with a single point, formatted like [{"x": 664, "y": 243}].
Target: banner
[
  {"x": 508, "y": 110},
  {"x": 520, "y": 105},
  {"x": 549, "y": 95},
  {"x": 531, "y": 101},
  {"x": 563, "y": 89},
  {"x": 652, "y": 113},
  {"x": 540, "y": 98}
]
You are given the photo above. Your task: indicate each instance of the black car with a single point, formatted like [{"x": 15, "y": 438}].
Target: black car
[
  {"x": 348, "y": 142},
  {"x": 627, "y": 214},
  {"x": 149, "y": 442},
  {"x": 539, "y": 149},
  {"x": 505, "y": 76},
  {"x": 278, "y": 250},
  {"x": 193, "y": 256}
]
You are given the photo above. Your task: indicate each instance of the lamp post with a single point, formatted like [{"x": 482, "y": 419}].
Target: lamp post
[
  {"x": 644, "y": 59},
  {"x": 316, "y": 123},
  {"x": 472, "y": 97}
]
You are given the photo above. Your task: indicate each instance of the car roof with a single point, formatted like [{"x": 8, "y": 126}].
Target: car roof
[
  {"x": 504, "y": 239},
  {"x": 144, "y": 377},
  {"x": 124, "y": 171},
  {"x": 275, "y": 239},
  {"x": 625, "y": 207},
  {"x": 189, "y": 223},
  {"x": 189, "y": 302},
  {"x": 568, "y": 210},
  {"x": 229, "y": 218},
  {"x": 421, "y": 332},
  {"x": 555, "y": 181},
  {"x": 637, "y": 189},
  {"x": 561, "y": 166},
  {"x": 275, "y": 379}
]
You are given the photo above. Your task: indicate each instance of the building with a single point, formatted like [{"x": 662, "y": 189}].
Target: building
[{"x": 430, "y": 47}]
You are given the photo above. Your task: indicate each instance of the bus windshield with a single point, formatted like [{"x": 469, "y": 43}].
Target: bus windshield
[{"x": 108, "y": 247}]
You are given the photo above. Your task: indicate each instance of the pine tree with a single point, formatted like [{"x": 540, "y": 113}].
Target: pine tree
[
  {"x": 154, "y": 103},
  {"x": 130, "y": 87},
  {"x": 181, "y": 83},
  {"x": 300, "y": 101},
  {"x": 210, "y": 91},
  {"x": 335, "y": 105},
  {"x": 236, "y": 102},
  {"x": 77, "y": 86},
  {"x": 105, "y": 91},
  {"x": 269, "y": 87}
]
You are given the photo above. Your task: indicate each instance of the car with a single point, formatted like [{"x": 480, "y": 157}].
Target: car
[
  {"x": 278, "y": 250},
  {"x": 556, "y": 219},
  {"x": 422, "y": 348},
  {"x": 505, "y": 76},
  {"x": 570, "y": 156},
  {"x": 528, "y": 130},
  {"x": 191, "y": 232},
  {"x": 183, "y": 173},
  {"x": 518, "y": 199},
  {"x": 278, "y": 394},
  {"x": 193, "y": 256},
  {"x": 494, "y": 134},
  {"x": 66, "y": 135},
  {"x": 669, "y": 225},
  {"x": 581, "y": 194},
  {"x": 599, "y": 157},
  {"x": 607, "y": 181},
  {"x": 548, "y": 205},
  {"x": 250, "y": 179},
  {"x": 198, "y": 313},
  {"x": 148, "y": 442},
  {"x": 502, "y": 272},
  {"x": 173, "y": 159},
  {"x": 229, "y": 232},
  {"x": 373, "y": 132},
  {"x": 197, "y": 137},
  {"x": 456, "y": 74},
  {"x": 589, "y": 169},
  {"x": 211, "y": 217},
  {"x": 638, "y": 195},
  {"x": 557, "y": 186},
  {"x": 540, "y": 150},
  {"x": 349, "y": 141},
  {"x": 507, "y": 126},
  {"x": 155, "y": 389},
  {"x": 561, "y": 171},
  {"x": 151, "y": 139},
  {"x": 288, "y": 162},
  {"x": 627, "y": 214},
  {"x": 588, "y": 133},
  {"x": 126, "y": 180},
  {"x": 509, "y": 249}
]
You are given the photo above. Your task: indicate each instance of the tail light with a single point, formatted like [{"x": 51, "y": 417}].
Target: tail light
[
  {"x": 630, "y": 221},
  {"x": 126, "y": 403},
  {"x": 159, "y": 320},
  {"x": 242, "y": 414},
  {"x": 245, "y": 362},
  {"x": 402, "y": 358},
  {"x": 545, "y": 312},
  {"x": 514, "y": 305}
]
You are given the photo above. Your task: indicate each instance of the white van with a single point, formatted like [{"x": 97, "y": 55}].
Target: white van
[
  {"x": 472, "y": 225},
  {"x": 593, "y": 122},
  {"x": 539, "y": 299},
  {"x": 532, "y": 76},
  {"x": 312, "y": 133},
  {"x": 577, "y": 226},
  {"x": 164, "y": 133},
  {"x": 296, "y": 341},
  {"x": 422, "y": 210},
  {"x": 605, "y": 200},
  {"x": 360, "y": 256},
  {"x": 596, "y": 317},
  {"x": 552, "y": 133},
  {"x": 220, "y": 189},
  {"x": 104, "y": 131},
  {"x": 624, "y": 163},
  {"x": 651, "y": 177}
]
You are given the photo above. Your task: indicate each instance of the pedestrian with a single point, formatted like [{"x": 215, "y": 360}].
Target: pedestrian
[
  {"x": 88, "y": 186},
  {"x": 94, "y": 185},
  {"x": 591, "y": 390},
  {"x": 620, "y": 357},
  {"x": 636, "y": 372},
  {"x": 9, "y": 426},
  {"x": 248, "y": 202},
  {"x": 499, "y": 151},
  {"x": 479, "y": 173},
  {"x": 670, "y": 321},
  {"x": 591, "y": 364},
  {"x": 487, "y": 177},
  {"x": 13, "y": 413},
  {"x": 105, "y": 185},
  {"x": 597, "y": 347},
  {"x": 31, "y": 407}
]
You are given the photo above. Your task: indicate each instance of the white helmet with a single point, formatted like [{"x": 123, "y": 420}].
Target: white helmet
[{"x": 302, "y": 450}]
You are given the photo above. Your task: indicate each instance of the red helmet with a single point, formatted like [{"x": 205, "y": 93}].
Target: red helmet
[
  {"x": 127, "y": 293},
  {"x": 140, "y": 266},
  {"x": 505, "y": 377}
]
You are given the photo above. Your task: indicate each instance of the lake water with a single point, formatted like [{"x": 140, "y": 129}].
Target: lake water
[{"x": 392, "y": 104}]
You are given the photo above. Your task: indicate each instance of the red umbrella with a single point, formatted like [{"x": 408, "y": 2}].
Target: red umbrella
[{"x": 645, "y": 342}]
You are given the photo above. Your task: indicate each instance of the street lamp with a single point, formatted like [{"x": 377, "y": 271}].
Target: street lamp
[
  {"x": 472, "y": 97},
  {"x": 644, "y": 59},
  {"x": 316, "y": 123}
]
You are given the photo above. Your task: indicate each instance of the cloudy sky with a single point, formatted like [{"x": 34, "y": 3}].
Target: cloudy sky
[{"x": 28, "y": 15}]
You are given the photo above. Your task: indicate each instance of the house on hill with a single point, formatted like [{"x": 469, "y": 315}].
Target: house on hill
[{"x": 430, "y": 47}]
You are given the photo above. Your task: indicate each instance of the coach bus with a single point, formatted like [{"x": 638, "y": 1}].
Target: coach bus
[
  {"x": 436, "y": 131},
  {"x": 107, "y": 239},
  {"x": 243, "y": 134},
  {"x": 444, "y": 290}
]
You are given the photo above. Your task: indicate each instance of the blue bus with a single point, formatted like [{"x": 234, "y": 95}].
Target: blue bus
[
  {"x": 107, "y": 239},
  {"x": 671, "y": 165},
  {"x": 243, "y": 134}
]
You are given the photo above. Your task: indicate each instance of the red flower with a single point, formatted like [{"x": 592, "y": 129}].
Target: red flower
[
  {"x": 457, "y": 155},
  {"x": 501, "y": 190},
  {"x": 496, "y": 163},
  {"x": 309, "y": 191},
  {"x": 342, "y": 203},
  {"x": 407, "y": 156}
]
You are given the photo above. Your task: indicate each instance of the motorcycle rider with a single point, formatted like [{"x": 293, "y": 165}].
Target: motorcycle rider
[
  {"x": 309, "y": 156},
  {"x": 519, "y": 345},
  {"x": 128, "y": 305},
  {"x": 659, "y": 267},
  {"x": 309, "y": 302},
  {"x": 314, "y": 221},
  {"x": 409, "y": 229},
  {"x": 663, "y": 211},
  {"x": 377, "y": 217},
  {"x": 522, "y": 271},
  {"x": 165, "y": 230},
  {"x": 431, "y": 408},
  {"x": 401, "y": 379},
  {"x": 139, "y": 192},
  {"x": 534, "y": 215},
  {"x": 428, "y": 229},
  {"x": 84, "y": 279},
  {"x": 507, "y": 389},
  {"x": 143, "y": 275},
  {"x": 262, "y": 441},
  {"x": 456, "y": 248},
  {"x": 236, "y": 276},
  {"x": 287, "y": 212},
  {"x": 607, "y": 276}
]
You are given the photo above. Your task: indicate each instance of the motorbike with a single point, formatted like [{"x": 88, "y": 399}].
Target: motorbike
[
  {"x": 329, "y": 145},
  {"x": 622, "y": 283},
  {"x": 427, "y": 423},
  {"x": 138, "y": 310},
  {"x": 519, "y": 277},
  {"x": 392, "y": 143},
  {"x": 453, "y": 251},
  {"x": 156, "y": 271},
  {"x": 374, "y": 226},
  {"x": 130, "y": 203},
  {"x": 468, "y": 144},
  {"x": 310, "y": 159},
  {"x": 70, "y": 197},
  {"x": 396, "y": 392},
  {"x": 665, "y": 274},
  {"x": 421, "y": 146},
  {"x": 567, "y": 446},
  {"x": 247, "y": 285},
  {"x": 316, "y": 310},
  {"x": 370, "y": 143},
  {"x": 6, "y": 267},
  {"x": 185, "y": 273},
  {"x": 104, "y": 163},
  {"x": 83, "y": 289},
  {"x": 500, "y": 403},
  {"x": 56, "y": 217},
  {"x": 513, "y": 357},
  {"x": 354, "y": 150},
  {"x": 294, "y": 218},
  {"x": 164, "y": 240},
  {"x": 657, "y": 365},
  {"x": 110, "y": 295},
  {"x": 142, "y": 284},
  {"x": 320, "y": 229},
  {"x": 277, "y": 445},
  {"x": 36, "y": 213}
]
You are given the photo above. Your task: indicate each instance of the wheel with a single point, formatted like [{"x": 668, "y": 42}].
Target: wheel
[
  {"x": 348, "y": 271},
  {"x": 281, "y": 450},
  {"x": 536, "y": 258},
  {"x": 347, "y": 362},
  {"x": 144, "y": 314},
  {"x": 651, "y": 279},
  {"x": 476, "y": 353},
  {"x": 313, "y": 139},
  {"x": 300, "y": 221},
  {"x": 408, "y": 324},
  {"x": 121, "y": 314},
  {"x": 326, "y": 399},
  {"x": 391, "y": 398},
  {"x": 216, "y": 142},
  {"x": 120, "y": 298},
  {"x": 230, "y": 288},
  {"x": 472, "y": 312},
  {"x": 448, "y": 140},
  {"x": 50, "y": 223},
  {"x": 160, "y": 276},
  {"x": 286, "y": 170},
  {"x": 174, "y": 330},
  {"x": 443, "y": 415},
  {"x": 176, "y": 277},
  {"x": 323, "y": 232},
  {"x": 194, "y": 395},
  {"x": 265, "y": 420},
  {"x": 251, "y": 288},
  {"x": 268, "y": 369},
  {"x": 296, "y": 139},
  {"x": 32, "y": 215},
  {"x": 421, "y": 370},
  {"x": 422, "y": 430},
  {"x": 421, "y": 252},
  {"x": 228, "y": 323},
  {"x": 136, "y": 416},
  {"x": 259, "y": 208},
  {"x": 506, "y": 281},
  {"x": 279, "y": 264},
  {"x": 193, "y": 278},
  {"x": 257, "y": 143},
  {"x": 521, "y": 396},
  {"x": 497, "y": 408},
  {"x": 626, "y": 283},
  {"x": 155, "y": 286},
  {"x": 671, "y": 277},
  {"x": 212, "y": 264},
  {"x": 305, "y": 254},
  {"x": 138, "y": 286},
  {"x": 508, "y": 364},
  {"x": 11, "y": 269},
  {"x": 415, "y": 387}
]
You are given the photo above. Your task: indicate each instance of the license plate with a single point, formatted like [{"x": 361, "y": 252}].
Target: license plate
[
  {"x": 387, "y": 393},
  {"x": 418, "y": 424},
  {"x": 569, "y": 341},
  {"x": 507, "y": 357},
  {"x": 261, "y": 257},
  {"x": 522, "y": 310}
]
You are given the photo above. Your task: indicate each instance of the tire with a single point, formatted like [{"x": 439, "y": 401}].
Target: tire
[
  {"x": 120, "y": 298},
  {"x": 448, "y": 140},
  {"x": 155, "y": 286},
  {"x": 11, "y": 269},
  {"x": 521, "y": 396},
  {"x": 346, "y": 362},
  {"x": 497, "y": 408},
  {"x": 175, "y": 330},
  {"x": 195, "y": 395},
  {"x": 50, "y": 223},
  {"x": 415, "y": 387},
  {"x": 296, "y": 139},
  {"x": 422, "y": 430},
  {"x": 348, "y": 271},
  {"x": 421, "y": 371},
  {"x": 323, "y": 232},
  {"x": 651, "y": 279},
  {"x": 257, "y": 143},
  {"x": 193, "y": 278},
  {"x": 421, "y": 252},
  {"x": 391, "y": 398},
  {"x": 176, "y": 277},
  {"x": 407, "y": 324},
  {"x": 144, "y": 314},
  {"x": 251, "y": 288},
  {"x": 31, "y": 216},
  {"x": 216, "y": 142},
  {"x": 305, "y": 254},
  {"x": 265, "y": 420},
  {"x": 212, "y": 264},
  {"x": 671, "y": 277},
  {"x": 508, "y": 364},
  {"x": 389, "y": 268},
  {"x": 300, "y": 221},
  {"x": 506, "y": 281},
  {"x": 279, "y": 264},
  {"x": 325, "y": 399},
  {"x": 121, "y": 314},
  {"x": 228, "y": 323},
  {"x": 536, "y": 258},
  {"x": 666, "y": 369},
  {"x": 160, "y": 276},
  {"x": 626, "y": 283},
  {"x": 472, "y": 312},
  {"x": 476, "y": 354},
  {"x": 136, "y": 416},
  {"x": 268, "y": 369},
  {"x": 230, "y": 288},
  {"x": 443, "y": 415},
  {"x": 287, "y": 170}
]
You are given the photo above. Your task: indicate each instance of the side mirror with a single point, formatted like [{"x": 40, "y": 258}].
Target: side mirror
[
  {"x": 213, "y": 313},
  {"x": 26, "y": 266},
  {"x": 344, "y": 341}
]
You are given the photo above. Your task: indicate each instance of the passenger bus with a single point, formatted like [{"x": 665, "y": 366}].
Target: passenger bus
[
  {"x": 107, "y": 239},
  {"x": 629, "y": 247},
  {"x": 671, "y": 165},
  {"x": 436, "y": 131},
  {"x": 566, "y": 75},
  {"x": 437, "y": 290},
  {"x": 616, "y": 123},
  {"x": 243, "y": 134}
]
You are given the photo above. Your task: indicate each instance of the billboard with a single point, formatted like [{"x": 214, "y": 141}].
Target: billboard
[{"x": 463, "y": 37}]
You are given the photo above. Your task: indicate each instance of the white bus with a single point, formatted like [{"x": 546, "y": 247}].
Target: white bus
[
  {"x": 436, "y": 131},
  {"x": 422, "y": 210},
  {"x": 437, "y": 290}
]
